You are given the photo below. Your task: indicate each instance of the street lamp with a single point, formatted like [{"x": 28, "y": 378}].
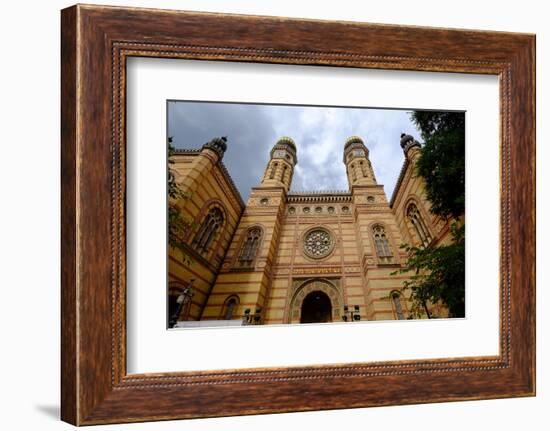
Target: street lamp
[
  {"x": 252, "y": 319},
  {"x": 183, "y": 299},
  {"x": 352, "y": 315}
]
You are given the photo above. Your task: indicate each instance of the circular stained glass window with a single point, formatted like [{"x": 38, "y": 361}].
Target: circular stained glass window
[{"x": 318, "y": 243}]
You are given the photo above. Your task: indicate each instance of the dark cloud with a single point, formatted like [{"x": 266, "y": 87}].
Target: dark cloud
[
  {"x": 249, "y": 132},
  {"x": 319, "y": 133}
]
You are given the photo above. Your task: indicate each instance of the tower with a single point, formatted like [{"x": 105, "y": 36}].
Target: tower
[
  {"x": 247, "y": 271},
  {"x": 410, "y": 146},
  {"x": 378, "y": 236},
  {"x": 281, "y": 164},
  {"x": 418, "y": 225},
  {"x": 358, "y": 167}
]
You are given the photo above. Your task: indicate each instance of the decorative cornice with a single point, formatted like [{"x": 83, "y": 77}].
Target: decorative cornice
[
  {"x": 399, "y": 181},
  {"x": 231, "y": 182},
  {"x": 285, "y": 143},
  {"x": 319, "y": 196},
  {"x": 187, "y": 150},
  {"x": 353, "y": 140},
  {"x": 287, "y": 140},
  {"x": 320, "y": 192}
]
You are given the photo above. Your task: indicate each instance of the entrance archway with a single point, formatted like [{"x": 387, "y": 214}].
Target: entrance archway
[
  {"x": 325, "y": 289},
  {"x": 316, "y": 308}
]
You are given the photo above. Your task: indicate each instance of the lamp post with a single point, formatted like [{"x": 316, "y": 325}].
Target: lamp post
[
  {"x": 351, "y": 315},
  {"x": 252, "y": 319},
  {"x": 183, "y": 299}
]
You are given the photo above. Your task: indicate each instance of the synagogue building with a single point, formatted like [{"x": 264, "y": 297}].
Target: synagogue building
[{"x": 287, "y": 257}]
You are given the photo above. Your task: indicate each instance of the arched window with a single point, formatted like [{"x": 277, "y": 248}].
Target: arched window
[
  {"x": 283, "y": 175},
  {"x": 353, "y": 173},
  {"x": 419, "y": 226},
  {"x": 250, "y": 246},
  {"x": 383, "y": 248},
  {"x": 363, "y": 169},
  {"x": 273, "y": 170},
  {"x": 230, "y": 307},
  {"x": 396, "y": 299},
  {"x": 208, "y": 230}
]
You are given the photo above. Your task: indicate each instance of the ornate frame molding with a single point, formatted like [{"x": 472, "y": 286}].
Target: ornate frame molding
[{"x": 96, "y": 41}]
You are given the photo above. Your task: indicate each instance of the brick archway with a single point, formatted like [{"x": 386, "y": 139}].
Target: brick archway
[{"x": 313, "y": 285}]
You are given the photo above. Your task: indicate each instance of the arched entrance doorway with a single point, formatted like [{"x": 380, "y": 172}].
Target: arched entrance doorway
[
  {"x": 304, "y": 287},
  {"x": 316, "y": 308}
]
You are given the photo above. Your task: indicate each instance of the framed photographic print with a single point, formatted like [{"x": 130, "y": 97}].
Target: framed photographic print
[{"x": 260, "y": 205}]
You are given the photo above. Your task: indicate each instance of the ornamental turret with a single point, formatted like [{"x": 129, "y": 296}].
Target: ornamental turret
[
  {"x": 217, "y": 145},
  {"x": 411, "y": 147},
  {"x": 211, "y": 153},
  {"x": 281, "y": 164},
  {"x": 358, "y": 167}
]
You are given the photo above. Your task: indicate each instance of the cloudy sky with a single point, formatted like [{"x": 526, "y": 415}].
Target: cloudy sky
[{"x": 319, "y": 134}]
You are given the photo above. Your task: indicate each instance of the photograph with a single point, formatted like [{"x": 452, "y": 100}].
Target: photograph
[
  {"x": 298, "y": 214},
  {"x": 303, "y": 214}
]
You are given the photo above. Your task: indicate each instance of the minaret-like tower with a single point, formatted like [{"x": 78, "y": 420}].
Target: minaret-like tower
[
  {"x": 358, "y": 166},
  {"x": 253, "y": 249},
  {"x": 376, "y": 230},
  {"x": 410, "y": 146},
  {"x": 281, "y": 164}
]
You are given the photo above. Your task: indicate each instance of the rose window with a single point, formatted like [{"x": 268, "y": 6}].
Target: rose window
[{"x": 318, "y": 243}]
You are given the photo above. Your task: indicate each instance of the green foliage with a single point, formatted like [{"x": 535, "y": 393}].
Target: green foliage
[
  {"x": 178, "y": 226},
  {"x": 442, "y": 160},
  {"x": 438, "y": 275}
]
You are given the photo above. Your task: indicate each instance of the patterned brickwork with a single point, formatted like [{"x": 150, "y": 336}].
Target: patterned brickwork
[{"x": 343, "y": 245}]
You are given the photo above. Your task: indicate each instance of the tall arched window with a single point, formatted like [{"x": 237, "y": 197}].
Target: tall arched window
[
  {"x": 353, "y": 173},
  {"x": 419, "y": 226},
  {"x": 273, "y": 170},
  {"x": 363, "y": 169},
  {"x": 250, "y": 246},
  {"x": 283, "y": 175},
  {"x": 396, "y": 299},
  {"x": 230, "y": 307},
  {"x": 208, "y": 230},
  {"x": 383, "y": 248}
]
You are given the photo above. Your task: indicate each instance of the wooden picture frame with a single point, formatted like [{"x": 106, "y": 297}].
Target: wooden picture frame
[{"x": 95, "y": 43}]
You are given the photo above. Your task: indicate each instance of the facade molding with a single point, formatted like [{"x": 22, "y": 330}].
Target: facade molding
[
  {"x": 400, "y": 179},
  {"x": 223, "y": 168},
  {"x": 319, "y": 197}
]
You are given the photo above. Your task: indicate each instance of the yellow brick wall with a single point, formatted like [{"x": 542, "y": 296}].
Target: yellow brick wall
[
  {"x": 352, "y": 272},
  {"x": 250, "y": 285},
  {"x": 206, "y": 183},
  {"x": 412, "y": 188}
]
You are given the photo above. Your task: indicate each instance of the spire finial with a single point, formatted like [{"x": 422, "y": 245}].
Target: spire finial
[
  {"x": 218, "y": 145},
  {"x": 407, "y": 142}
]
